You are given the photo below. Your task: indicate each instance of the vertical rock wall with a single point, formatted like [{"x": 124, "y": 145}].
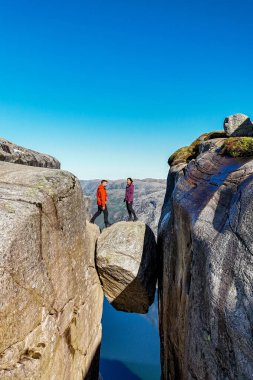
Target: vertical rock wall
[
  {"x": 51, "y": 298},
  {"x": 206, "y": 269}
]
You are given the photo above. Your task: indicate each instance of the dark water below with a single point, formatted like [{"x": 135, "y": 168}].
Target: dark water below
[{"x": 130, "y": 346}]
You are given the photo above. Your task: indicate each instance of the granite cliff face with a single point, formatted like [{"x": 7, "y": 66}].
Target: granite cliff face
[
  {"x": 51, "y": 297},
  {"x": 206, "y": 261}
]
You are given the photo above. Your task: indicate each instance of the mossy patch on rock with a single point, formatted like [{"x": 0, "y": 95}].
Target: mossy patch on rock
[
  {"x": 238, "y": 147},
  {"x": 182, "y": 155},
  {"x": 187, "y": 153}
]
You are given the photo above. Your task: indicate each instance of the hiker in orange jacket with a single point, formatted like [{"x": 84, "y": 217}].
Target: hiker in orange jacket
[{"x": 101, "y": 202}]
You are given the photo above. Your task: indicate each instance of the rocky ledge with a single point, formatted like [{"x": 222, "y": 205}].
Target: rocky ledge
[
  {"x": 13, "y": 153},
  {"x": 127, "y": 265}
]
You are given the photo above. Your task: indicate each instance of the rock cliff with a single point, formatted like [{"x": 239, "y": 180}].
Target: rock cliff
[
  {"x": 51, "y": 297},
  {"x": 206, "y": 261}
]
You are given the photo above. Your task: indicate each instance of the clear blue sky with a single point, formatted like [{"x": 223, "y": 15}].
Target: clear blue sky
[{"x": 112, "y": 88}]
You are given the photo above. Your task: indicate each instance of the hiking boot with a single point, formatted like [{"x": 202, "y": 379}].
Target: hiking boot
[
  {"x": 135, "y": 219},
  {"x": 107, "y": 225},
  {"x": 129, "y": 219}
]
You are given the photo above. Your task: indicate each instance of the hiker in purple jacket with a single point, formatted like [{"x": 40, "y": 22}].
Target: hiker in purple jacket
[{"x": 129, "y": 198}]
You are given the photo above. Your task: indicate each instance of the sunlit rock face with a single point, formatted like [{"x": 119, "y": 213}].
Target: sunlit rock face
[
  {"x": 10, "y": 152},
  {"x": 205, "y": 246},
  {"x": 238, "y": 125},
  {"x": 51, "y": 297},
  {"x": 127, "y": 265}
]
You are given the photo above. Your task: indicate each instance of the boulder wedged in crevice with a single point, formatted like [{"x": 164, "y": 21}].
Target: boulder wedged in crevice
[{"x": 126, "y": 260}]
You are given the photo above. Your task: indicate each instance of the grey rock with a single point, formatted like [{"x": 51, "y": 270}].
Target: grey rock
[
  {"x": 238, "y": 125},
  {"x": 211, "y": 145},
  {"x": 51, "y": 296},
  {"x": 206, "y": 270},
  {"x": 13, "y": 153},
  {"x": 127, "y": 265}
]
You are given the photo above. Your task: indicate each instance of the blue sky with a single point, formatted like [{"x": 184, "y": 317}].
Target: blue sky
[{"x": 112, "y": 88}]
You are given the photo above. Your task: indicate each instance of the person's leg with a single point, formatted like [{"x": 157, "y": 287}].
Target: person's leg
[
  {"x": 129, "y": 211},
  {"x": 105, "y": 211},
  {"x": 132, "y": 210},
  {"x": 96, "y": 214}
]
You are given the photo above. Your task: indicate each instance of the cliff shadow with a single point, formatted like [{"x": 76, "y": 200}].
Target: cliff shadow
[{"x": 93, "y": 370}]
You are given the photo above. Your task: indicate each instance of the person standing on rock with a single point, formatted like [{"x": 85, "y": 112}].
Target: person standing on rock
[
  {"x": 129, "y": 198},
  {"x": 101, "y": 202}
]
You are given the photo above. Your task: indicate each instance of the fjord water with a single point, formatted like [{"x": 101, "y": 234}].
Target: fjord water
[{"x": 130, "y": 345}]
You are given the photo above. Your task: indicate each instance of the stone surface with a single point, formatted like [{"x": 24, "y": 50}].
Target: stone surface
[
  {"x": 51, "y": 297},
  {"x": 205, "y": 247},
  {"x": 238, "y": 125},
  {"x": 127, "y": 265},
  {"x": 13, "y": 153}
]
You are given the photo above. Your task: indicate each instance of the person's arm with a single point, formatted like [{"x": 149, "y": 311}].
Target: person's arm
[{"x": 103, "y": 199}]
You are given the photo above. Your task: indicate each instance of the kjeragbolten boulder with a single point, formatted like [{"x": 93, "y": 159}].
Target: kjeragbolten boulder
[{"x": 127, "y": 265}]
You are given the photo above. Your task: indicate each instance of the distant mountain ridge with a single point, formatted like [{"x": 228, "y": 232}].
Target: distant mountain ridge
[{"x": 148, "y": 200}]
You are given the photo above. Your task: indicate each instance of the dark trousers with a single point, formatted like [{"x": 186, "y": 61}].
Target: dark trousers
[
  {"x": 130, "y": 210},
  {"x": 99, "y": 211}
]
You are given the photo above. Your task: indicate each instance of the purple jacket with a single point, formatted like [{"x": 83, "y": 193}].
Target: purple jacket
[{"x": 129, "y": 197}]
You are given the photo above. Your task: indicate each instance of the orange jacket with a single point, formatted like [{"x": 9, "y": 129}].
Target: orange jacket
[{"x": 101, "y": 196}]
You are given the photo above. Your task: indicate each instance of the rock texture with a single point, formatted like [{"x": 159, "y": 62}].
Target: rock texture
[
  {"x": 10, "y": 152},
  {"x": 238, "y": 125},
  {"x": 51, "y": 297},
  {"x": 206, "y": 268},
  {"x": 127, "y": 265}
]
